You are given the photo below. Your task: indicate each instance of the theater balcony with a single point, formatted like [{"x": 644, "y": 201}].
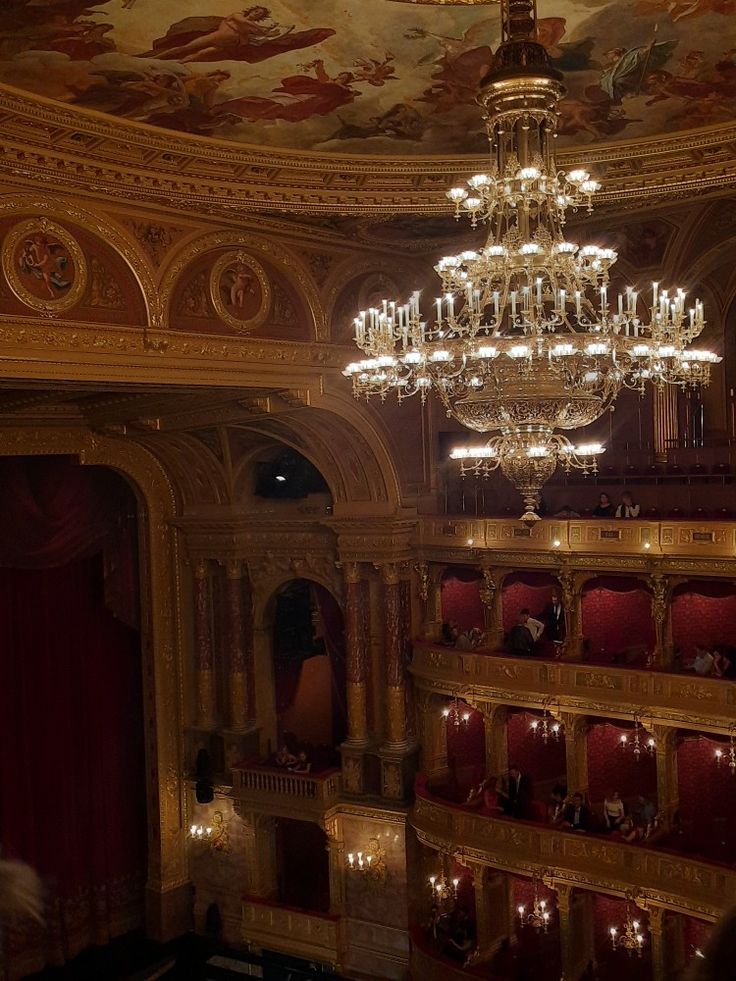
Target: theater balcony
[
  {"x": 284, "y": 794},
  {"x": 272, "y": 926}
]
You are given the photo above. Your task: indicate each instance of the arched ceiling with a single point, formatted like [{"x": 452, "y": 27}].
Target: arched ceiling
[{"x": 377, "y": 77}]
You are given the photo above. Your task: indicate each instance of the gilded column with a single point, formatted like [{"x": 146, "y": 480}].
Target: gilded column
[
  {"x": 336, "y": 853},
  {"x": 235, "y": 641},
  {"x": 572, "y": 593},
  {"x": 658, "y": 940},
  {"x": 491, "y": 595},
  {"x": 356, "y": 656},
  {"x": 668, "y": 793},
  {"x": 393, "y": 652},
  {"x": 432, "y": 734},
  {"x": 495, "y": 718},
  {"x": 576, "y": 752},
  {"x": 204, "y": 676},
  {"x": 661, "y": 610},
  {"x": 259, "y": 840},
  {"x": 577, "y": 945}
]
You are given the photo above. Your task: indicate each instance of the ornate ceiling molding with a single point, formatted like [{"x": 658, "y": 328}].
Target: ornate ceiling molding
[{"x": 53, "y": 145}]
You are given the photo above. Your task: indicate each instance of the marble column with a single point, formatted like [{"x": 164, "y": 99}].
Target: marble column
[
  {"x": 356, "y": 656},
  {"x": 336, "y": 853},
  {"x": 668, "y": 792},
  {"x": 236, "y": 645},
  {"x": 493, "y": 915},
  {"x": 577, "y": 939},
  {"x": 432, "y": 734},
  {"x": 658, "y": 940},
  {"x": 393, "y": 652},
  {"x": 491, "y": 595},
  {"x": 576, "y": 751},
  {"x": 204, "y": 674}
]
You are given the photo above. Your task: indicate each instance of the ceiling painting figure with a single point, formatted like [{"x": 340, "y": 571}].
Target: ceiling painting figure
[{"x": 369, "y": 76}]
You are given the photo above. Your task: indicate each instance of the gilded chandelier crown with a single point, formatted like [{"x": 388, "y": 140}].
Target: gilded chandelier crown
[{"x": 525, "y": 340}]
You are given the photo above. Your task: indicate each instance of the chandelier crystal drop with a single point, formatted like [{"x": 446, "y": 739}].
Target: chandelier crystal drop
[{"x": 525, "y": 341}]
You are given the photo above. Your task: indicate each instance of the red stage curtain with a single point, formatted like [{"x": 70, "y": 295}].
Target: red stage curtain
[{"x": 72, "y": 769}]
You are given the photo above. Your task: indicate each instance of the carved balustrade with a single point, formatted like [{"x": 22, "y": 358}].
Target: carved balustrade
[
  {"x": 289, "y": 931},
  {"x": 592, "y": 863},
  {"x": 303, "y": 796},
  {"x": 689, "y": 702}
]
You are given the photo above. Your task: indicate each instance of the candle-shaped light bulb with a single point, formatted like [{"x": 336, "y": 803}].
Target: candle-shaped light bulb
[{"x": 521, "y": 910}]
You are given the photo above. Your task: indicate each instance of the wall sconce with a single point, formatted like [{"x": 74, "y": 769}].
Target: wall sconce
[
  {"x": 455, "y": 716},
  {"x": 641, "y": 741},
  {"x": 631, "y": 939},
  {"x": 540, "y": 914},
  {"x": 371, "y": 864},
  {"x": 548, "y": 727},
  {"x": 199, "y": 832},
  {"x": 730, "y": 757}
]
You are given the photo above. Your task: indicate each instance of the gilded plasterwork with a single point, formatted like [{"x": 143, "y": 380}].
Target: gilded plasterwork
[
  {"x": 44, "y": 266},
  {"x": 240, "y": 291}
]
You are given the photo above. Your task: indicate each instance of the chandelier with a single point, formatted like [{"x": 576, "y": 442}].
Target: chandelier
[
  {"x": 455, "y": 716},
  {"x": 525, "y": 341},
  {"x": 539, "y": 915},
  {"x": 443, "y": 889},
  {"x": 547, "y": 727},
  {"x": 631, "y": 939},
  {"x": 640, "y": 742},
  {"x": 730, "y": 757}
]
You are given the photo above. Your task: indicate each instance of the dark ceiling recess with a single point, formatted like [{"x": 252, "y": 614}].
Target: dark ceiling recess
[{"x": 288, "y": 477}]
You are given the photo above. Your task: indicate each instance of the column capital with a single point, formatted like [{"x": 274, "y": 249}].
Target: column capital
[
  {"x": 423, "y": 580},
  {"x": 390, "y": 572},
  {"x": 234, "y": 568},
  {"x": 201, "y": 568},
  {"x": 351, "y": 572}
]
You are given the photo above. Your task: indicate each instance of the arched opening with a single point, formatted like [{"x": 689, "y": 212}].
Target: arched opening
[
  {"x": 704, "y": 615},
  {"x": 71, "y": 702},
  {"x": 309, "y": 671},
  {"x": 303, "y": 871},
  {"x": 533, "y": 592},
  {"x": 460, "y": 596},
  {"x": 614, "y": 767},
  {"x": 617, "y": 620}
]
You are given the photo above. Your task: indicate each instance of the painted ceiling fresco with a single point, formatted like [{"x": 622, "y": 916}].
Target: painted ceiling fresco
[{"x": 368, "y": 76}]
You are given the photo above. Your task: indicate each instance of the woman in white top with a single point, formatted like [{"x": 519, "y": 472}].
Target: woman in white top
[{"x": 613, "y": 810}]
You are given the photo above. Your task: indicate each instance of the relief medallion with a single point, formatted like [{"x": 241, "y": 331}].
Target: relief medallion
[
  {"x": 240, "y": 291},
  {"x": 44, "y": 265}
]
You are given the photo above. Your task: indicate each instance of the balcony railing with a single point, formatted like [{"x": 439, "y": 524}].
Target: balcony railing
[
  {"x": 313, "y": 936},
  {"x": 594, "y": 863},
  {"x": 270, "y": 790},
  {"x": 694, "y": 702}
]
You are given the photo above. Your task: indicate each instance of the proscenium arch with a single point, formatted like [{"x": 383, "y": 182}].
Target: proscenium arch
[
  {"x": 105, "y": 227},
  {"x": 291, "y": 264},
  {"x": 167, "y": 889}
]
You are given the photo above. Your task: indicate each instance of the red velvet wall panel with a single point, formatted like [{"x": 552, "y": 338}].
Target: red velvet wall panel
[
  {"x": 612, "y": 768},
  {"x": 542, "y": 763},
  {"x": 521, "y": 595},
  {"x": 303, "y": 865},
  {"x": 701, "y": 616},
  {"x": 695, "y": 934},
  {"x": 610, "y": 911},
  {"x": 707, "y": 799},
  {"x": 466, "y": 749},
  {"x": 614, "y": 621},
  {"x": 461, "y": 602}
]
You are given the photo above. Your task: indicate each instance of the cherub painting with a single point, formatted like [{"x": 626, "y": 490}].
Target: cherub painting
[{"x": 46, "y": 260}]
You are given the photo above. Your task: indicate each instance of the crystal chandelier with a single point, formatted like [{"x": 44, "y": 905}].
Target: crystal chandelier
[
  {"x": 525, "y": 339},
  {"x": 631, "y": 939},
  {"x": 444, "y": 890},
  {"x": 640, "y": 742}
]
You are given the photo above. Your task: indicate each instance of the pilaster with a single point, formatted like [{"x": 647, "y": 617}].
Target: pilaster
[
  {"x": 577, "y": 945},
  {"x": 571, "y": 585},
  {"x": 495, "y": 718},
  {"x": 668, "y": 794},
  {"x": 493, "y": 914},
  {"x": 204, "y": 675},
  {"x": 576, "y": 752}
]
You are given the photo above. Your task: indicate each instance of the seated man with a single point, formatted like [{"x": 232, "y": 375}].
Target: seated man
[
  {"x": 524, "y": 634},
  {"x": 645, "y": 814},
  {"x": 703, "y": 662},
  {"x": 284, "y": 757},
  {"x": 627, "y": 831},
  {"x": 301, "y": 764},
  {"x": 722, "y": 664},
  {"x": 576, "y": 816}
]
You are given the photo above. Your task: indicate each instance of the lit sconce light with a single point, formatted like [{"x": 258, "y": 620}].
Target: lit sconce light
[
  {"x": 556, "y": 543},
  {"x": 640, "y": 743},
  {"x": 444, "y": 891},
  {"x": 730, "y": 757},
  {"x": 471, "y": 542},
  {"x": 371, "y": 864},
  {"x": 280, "y": 477},
  {"x": 540, "y": 914},
  {"x": 199, "y": 832},
  {"x": 548, "y": 726},
  {"x": 454, "y": 715},
  {"x": 647, "y": 545},
  {"x": 631, "y": 939}
]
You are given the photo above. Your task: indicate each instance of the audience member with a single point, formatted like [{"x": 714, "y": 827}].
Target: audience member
[
  {"x": 722, "y": 664},
  {"x": 627, "y": 508},
  {"x": 461, "y": 935},
  {"x": 556, "y": 805},
  {"x": 703, "y": 662},
  {"x": 520, "y": 641},
  {"x": 515, "y": 796},
  {"x": 554, "y": 619},
  {"x": 284, "y": 757},
  {"x": 567, "y": 512},
  {"x": 450, "y": 633},
  {"x": 301, "y": 764},
  {"x": 470, "y": 639},
  {"x": 604, "y": 508},
  {"x": 627, "y": 831},
  {"x": 576, "y": 816},
  {"x": 646, "y": 814},
  {"x": 613, "y": 810}
]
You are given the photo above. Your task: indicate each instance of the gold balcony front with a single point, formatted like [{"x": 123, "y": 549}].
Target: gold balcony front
[
  {"x": 288, "y": 931},
  {"x": 281, "y": 793}
]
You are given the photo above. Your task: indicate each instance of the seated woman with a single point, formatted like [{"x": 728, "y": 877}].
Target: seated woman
[
  {"x": 284, "y": 757},
  {"x": 556, "y": 804},
  {"x": 627, "y": 831},
  {"x": 604, "y": 508},
  {"x": 301, "y": 764},
  {"x": 484, "y": 795},
  {"x": 703, "y": 662},
  {"x": 613, "y": 810},
  {"x": 722, "y": 665}
]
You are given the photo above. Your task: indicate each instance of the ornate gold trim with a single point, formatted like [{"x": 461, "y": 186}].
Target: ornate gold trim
[
  {"x": 42, "y": 226},
  {"x": 240, "y": 257}
]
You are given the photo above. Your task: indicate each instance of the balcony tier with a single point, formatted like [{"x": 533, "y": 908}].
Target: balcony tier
[
  {"x": 271, "y": 926},
  {"x": 302, "y": 796}
]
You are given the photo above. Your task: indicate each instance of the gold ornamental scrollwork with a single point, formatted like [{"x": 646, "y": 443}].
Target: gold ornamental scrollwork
[
  {"x": 47, "y": 253},
  {"x": 247, "y": 278}
]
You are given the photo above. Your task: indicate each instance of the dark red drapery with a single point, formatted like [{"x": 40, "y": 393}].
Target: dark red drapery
[{"x": 72, "y": 768}]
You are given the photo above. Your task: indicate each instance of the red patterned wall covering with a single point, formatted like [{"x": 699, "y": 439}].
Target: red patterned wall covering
[
  {"x": 613, "y": 768},
  {"x": 466, "y": 886},
  {"x": 539, "y": 951},
  {"x": 616, "y": 616},
  {"x": 703, "y": 613},
  {"x": 707, "y": 799},
  {"x": 466, "y": 749},
  {"x": 610, "y": 911},
  {"x": 542, "y": 763},
  {"x": 530, "y": 590},
  {"x": 461, "y": 599},
  {"x": 695, "y": 933}
]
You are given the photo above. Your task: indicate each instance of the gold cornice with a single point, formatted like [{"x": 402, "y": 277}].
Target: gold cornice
[{"x": 45, "y": 142}]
